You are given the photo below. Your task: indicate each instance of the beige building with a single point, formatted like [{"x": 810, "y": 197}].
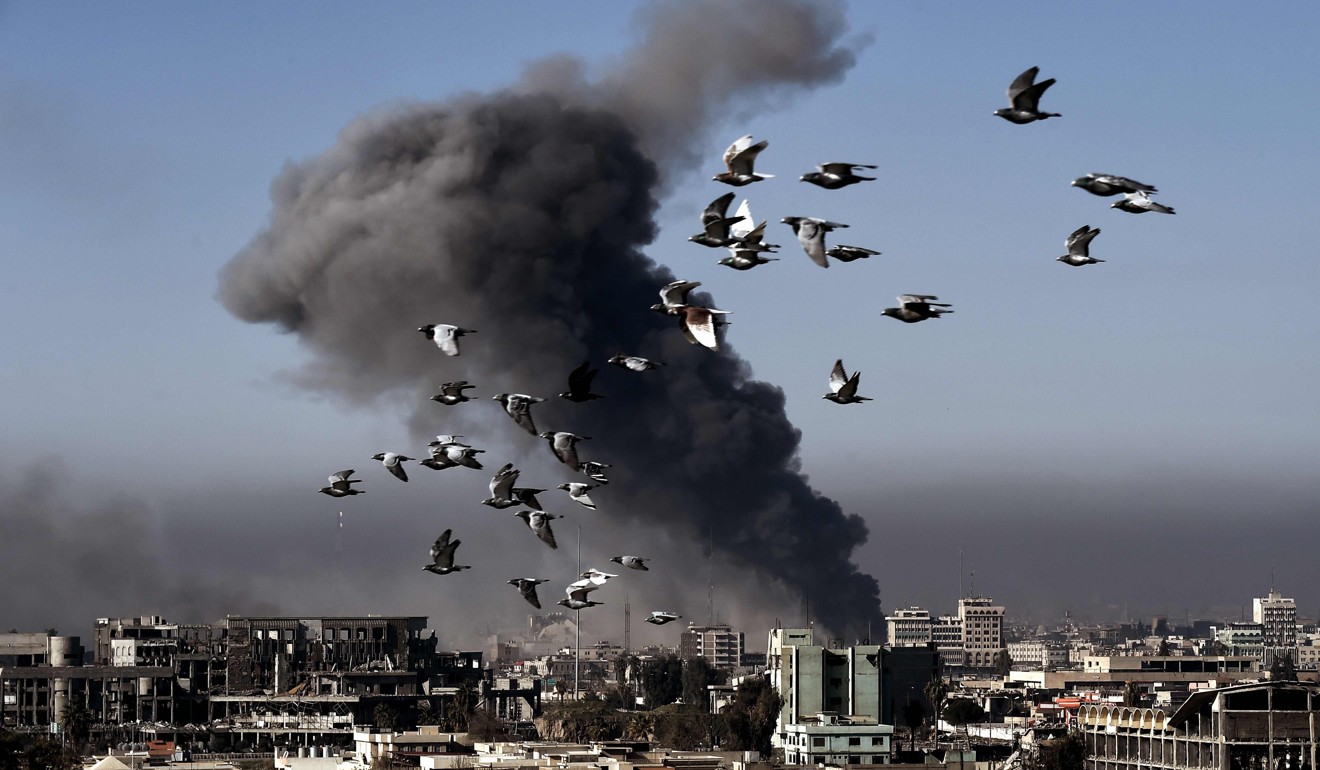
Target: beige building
[{"x": 982, "y": 631}]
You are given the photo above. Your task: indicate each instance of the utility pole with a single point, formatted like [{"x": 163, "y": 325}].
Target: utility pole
[{"x": 577, "y": 624}]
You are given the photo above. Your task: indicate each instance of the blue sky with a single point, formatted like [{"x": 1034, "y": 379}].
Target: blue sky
[{"x": 1163, "y": 403}]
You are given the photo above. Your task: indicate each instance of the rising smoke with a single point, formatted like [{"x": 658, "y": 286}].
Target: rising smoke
[{"x": 523, "y": 214}]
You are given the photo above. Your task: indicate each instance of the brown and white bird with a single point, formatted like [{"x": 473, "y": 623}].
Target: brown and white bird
[
  {"x": 445, "y": 336},
  {"x": 1079, "y": 247},
  {"x": 916, "y": 307},
  {"x": 519, "y": 407},
  {"x": 843, "y": 389},
  {"x": 740, "y": 159},
  {"x": 1024, "y": 96},
  {"x": 341, "y": 485},
  {"x": 442, "y": 556},
  {"x": 833, "y": 176}
]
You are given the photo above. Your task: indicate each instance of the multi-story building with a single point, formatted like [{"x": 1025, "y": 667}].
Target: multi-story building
[
  {"x": 1278, "y": 619},
  {"x": 982, "y": 631},
  {"x": 947, "y": 633},
  {"x": 720, "y": 645},
  {"x": 1241, "y": 638},
  {"x": 829, "y": 739},
  {"x": 1038, "y": 654},
  {"x": 909, "y": 627}
]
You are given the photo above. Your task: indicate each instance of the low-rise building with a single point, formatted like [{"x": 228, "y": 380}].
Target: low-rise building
[{"x": 828, "y": 738}]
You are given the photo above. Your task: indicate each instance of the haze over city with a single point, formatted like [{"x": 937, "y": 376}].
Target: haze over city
[{"x": 1120, "y": 440}]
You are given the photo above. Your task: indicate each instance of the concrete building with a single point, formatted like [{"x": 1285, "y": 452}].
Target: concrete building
[
  {"x": 1277, "y": 616},
  {"x": 830, "y": 739},
  {"x": 1241, "y": 638},
  {"x": 947, "y": 633},
  {"x": 720, "y": 645},
  {"x": 909, "y": 627},
  {"x": 982, "y": 631},
  {"x": 1037, "y": 654},
  {"x": 1259, "y": 725}
]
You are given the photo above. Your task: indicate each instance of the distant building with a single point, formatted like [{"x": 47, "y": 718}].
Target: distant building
[
  {"x": 947, "y": 633},
  {"x": 720, "y": 645},
  {"x": 982, "y": 631},
  {"x": 1278, "y": 619},
  {"x": 909, "y": 627},
  {"x": 1241, "y": 638},
  {"x": 834, "y": 740}
]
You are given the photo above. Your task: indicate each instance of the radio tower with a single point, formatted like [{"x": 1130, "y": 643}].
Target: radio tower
[{"x": 627, "y": 626}]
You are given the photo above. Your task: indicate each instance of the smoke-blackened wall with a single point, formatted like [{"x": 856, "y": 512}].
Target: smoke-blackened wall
[{"x": 524, "y": 215}]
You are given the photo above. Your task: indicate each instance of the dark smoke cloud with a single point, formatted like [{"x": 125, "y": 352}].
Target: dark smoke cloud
[
  {"x": 64, "y": 561},
  {"x": 522, "y": 214}
]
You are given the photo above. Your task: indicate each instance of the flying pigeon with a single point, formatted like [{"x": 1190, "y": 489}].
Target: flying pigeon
[
  {"x": 539, "y": 522},
  {"x": 579, "y": 384},
  {"x": 578, "y": 492},
  {"x": 632, "y": 562},
  {"x": 811, "y": 234},
  {"x": 528, "y": 497},
  {"x": 740, "y": 158},
  {"x": 596, "y": 471},
  {"x": 850, "y": 253},
  {"x": 832, "y": 176},
  {"x": 745, "y": 259},
  {"x": 393, "y": 463},
  {"x": 698, "y": 323},
  {"x": 843, "y": 389},
  {"x": 590, "y": 581},
  {"x": 564, "y": 445},
  {"x": 501, "y": 488},
  {"x": 660, "y": 618},
  {"x": 578, "y": 601},
  {"x": 453, "y": 456},
  {"x": 674, "y": 294},
  {"x": 452, "y": 393},
  {"x": 1078, "y": 245},
  {"x": 445, "y": 336},
  {"x": 1139, "y": 203},
  {"x": 1105, "y": 185},
  {"x": 442, "y": 556},
  {"x": 916, "y": 307},
  {"x": 750, "y": 235},
  {"x": 1024, "y": 95},
  {"x": 340, "y": 485},
  {"x": 445, "y": 439},
  {"x": 519, "y": 407},
  {"x": 634, "y": 363},
  {"x": 715, "y": 223},
  {"x": 527, "y": 587}
]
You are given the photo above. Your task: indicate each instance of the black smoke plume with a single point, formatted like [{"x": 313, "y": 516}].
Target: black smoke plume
[{"x": 523, "y": 215}]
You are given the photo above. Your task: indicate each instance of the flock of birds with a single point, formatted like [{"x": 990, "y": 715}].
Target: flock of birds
[{"x": 745, "y": 241}]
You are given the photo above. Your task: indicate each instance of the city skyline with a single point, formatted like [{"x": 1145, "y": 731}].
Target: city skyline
[{"x": 1125, "y": 435}]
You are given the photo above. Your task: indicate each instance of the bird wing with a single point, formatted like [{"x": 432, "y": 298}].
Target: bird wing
[
  {"x": 501, "y": 485},
  {"x": 837, "y": 376},
  {"x": 521, "y": 412},
  {"x": 528, "y": 589},
  {"x": 565, "y": 448},
  {"x": 675, "y": 292},
  {"x": 812, "y": 238},
  {"x": 396, "y": 468},
  {"x": 1079, "y": 242},
  {"x": 341, "y": 480},
  {"x": 446, "y": 338},
  {"x": 442, "y": 551},
  {"x": 579, "y": 595},
  {"x": 849, "y": 389},
  {"x": 915, "y": 299},
  {"x": 579, "y": 380},
  {"x": 528, "y": 497},
  {"x": 841, "y": 169},
  {"x": 742, "y": 160},
  {"x": 543, "y": 530},
  {"x": 1123, "y": 182},
  {"x": 717, "y": 209},
  {"x": 699, "y": 323},
  {"x": 1028, "y": 99},
  {"x": 743, "y": 227},
  {"x": 1021, "y": 83}
]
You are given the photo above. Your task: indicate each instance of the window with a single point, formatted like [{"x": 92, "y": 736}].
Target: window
[
  {"x": 854, "y": 760},
  {"x": 817, "y": 742},
  {"x": 854, "y": 741}
]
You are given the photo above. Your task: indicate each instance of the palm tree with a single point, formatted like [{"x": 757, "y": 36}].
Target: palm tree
[{"x": 936, "y": 690}]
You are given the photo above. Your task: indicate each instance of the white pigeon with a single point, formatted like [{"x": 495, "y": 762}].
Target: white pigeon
[
  {"x": 589, "y": 581},
  {"x": 634, "y": 363},
  {"x": 1139, "y": 202},
  {"x": 442, "y": 556},
  {"x": 564, "y": 445},
  {"x": 577, "y": 491},
  {"x": 393, "y": 463},
  {"x": 519, "y": 407},
  {"x": 453, "y": 456},
  {"x": 578, "y": 601},
  {"x": 740, "y": 159},
  {"x": 341, "y": 485},
  {"x": 1079, "y": 247},
  {"x": 843, "y": 389},
  {"x": 527, "y": 587},
  {"x": 539, "y": 523},
  {"x": 810, "y": 232},
  {"x": 596, "y": 471},
  {"x": 632, "y": 562},
  {"x": 445, "y": 336},
  {"x": 660, "y": 618}
]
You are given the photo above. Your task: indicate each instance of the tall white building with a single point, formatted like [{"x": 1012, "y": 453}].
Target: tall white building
[
  {"x": 909, "y": 627},
  {"x": 1278, "y": 619}
]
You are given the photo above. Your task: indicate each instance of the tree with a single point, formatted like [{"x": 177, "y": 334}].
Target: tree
[
  {"x": 698, "y": 674},
  {"x": 960, "y": 711},
  {"x": 1132, "y": 693},
  {"x": 1282, "y": 668},
  {"x": 936, "y": 691},
  {"x": 753, "y": 716},
  {"x": 1003, "y": 663},
  {"x": 385, "y": 717},
  {"x": 50, "y": 755},
  {"x": 76, "y": 719},
  {"x": 1163, "y": 649},
  {"x": 662, "y": 680}
]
